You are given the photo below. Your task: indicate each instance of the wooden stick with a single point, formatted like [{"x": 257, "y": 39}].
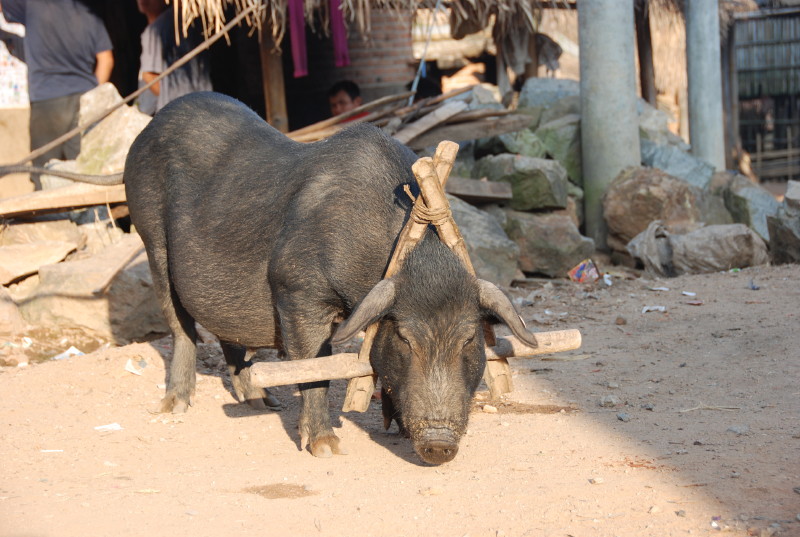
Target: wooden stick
[
  {"x": 60, "y": 199},
  {"x": 347, "y": 115},
  {"x": 440, "y": 115},
  {"x": 348, "y": 365}
]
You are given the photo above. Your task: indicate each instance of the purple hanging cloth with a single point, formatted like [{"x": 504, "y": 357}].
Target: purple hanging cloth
[
  {"x": 297, "y": 33},
  {"x": 339, "y": 32}
]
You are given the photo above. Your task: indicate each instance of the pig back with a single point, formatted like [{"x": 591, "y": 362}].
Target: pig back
[{"x": 219, "y": 197}]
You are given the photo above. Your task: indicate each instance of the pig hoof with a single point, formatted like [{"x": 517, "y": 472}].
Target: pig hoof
[
  {"x": 261, "y": 399},
  {"x": 172, "y": 403},
  {"x": 326, "y": 446}
]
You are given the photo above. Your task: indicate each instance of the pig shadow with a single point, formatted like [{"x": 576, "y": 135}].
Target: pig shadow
[{"x": 370, "y": 421}]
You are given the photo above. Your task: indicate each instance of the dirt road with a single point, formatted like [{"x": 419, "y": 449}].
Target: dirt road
[{"x": 668, "y": 423}]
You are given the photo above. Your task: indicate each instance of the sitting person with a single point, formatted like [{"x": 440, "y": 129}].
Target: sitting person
[{"x": 343, "y": 97}]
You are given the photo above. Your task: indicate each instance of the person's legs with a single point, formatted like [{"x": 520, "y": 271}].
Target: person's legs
[{"x": 49, "y": 120}]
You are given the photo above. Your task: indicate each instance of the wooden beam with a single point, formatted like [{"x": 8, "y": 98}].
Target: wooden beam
[
  {"x": 272, "y": 79},
  {"x": 471, "y": 130},
  {"x": 477, "y": 191},
  {"x": 59, "y": 199}
]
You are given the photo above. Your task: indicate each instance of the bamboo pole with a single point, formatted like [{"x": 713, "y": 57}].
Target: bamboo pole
[{"x": 349, "y": 366}]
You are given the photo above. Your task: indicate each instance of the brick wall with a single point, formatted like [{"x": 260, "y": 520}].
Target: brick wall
[{"x": 381, "y": 65}]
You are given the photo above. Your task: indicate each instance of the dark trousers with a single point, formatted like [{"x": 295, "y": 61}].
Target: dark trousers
[{"x": 49, "y": 120}]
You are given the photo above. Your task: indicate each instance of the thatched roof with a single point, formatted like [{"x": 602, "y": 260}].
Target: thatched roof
[{"x": 467, "y": 16}]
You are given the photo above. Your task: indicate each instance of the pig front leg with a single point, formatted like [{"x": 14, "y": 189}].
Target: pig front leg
[{"x": 305, "y": 337}]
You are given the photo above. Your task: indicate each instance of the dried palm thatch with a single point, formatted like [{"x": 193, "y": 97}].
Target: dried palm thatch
[{"x": 508, "y": 15}]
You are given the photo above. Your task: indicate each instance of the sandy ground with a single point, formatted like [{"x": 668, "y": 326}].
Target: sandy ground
[{"x": 702, "y": 434}]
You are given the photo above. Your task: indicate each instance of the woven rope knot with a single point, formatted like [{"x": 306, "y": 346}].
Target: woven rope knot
[{"x": 421, "y": 214}]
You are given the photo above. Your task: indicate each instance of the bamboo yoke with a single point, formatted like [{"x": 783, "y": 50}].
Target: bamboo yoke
[{"x": 431, "y": 207}]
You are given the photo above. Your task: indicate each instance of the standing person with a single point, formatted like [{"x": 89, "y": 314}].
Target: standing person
[
  {"x": 68, "y": 52},
  {"x": 159, "y": 51}
]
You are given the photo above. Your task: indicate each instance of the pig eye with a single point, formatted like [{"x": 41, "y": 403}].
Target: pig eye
[
  {"x": 469, "y": 340},
  {"x": 403, "y": 339}
]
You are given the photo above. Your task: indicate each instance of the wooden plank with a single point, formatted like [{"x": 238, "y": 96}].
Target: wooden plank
[
  {"x": 272, "y": 80},
  {"x": 63, "y": 198},
  {"x": 477, "y": 191},
  {"x": 471, "y": 130},
  {"x": 440, "y": 115}
]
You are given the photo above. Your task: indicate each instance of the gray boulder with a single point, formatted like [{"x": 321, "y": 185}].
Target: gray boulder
[
  {"x": 654, "y": 126},
  {"x": 784, "y": 228},
  {"x": 570, "y": 105},
  {"x": 562, "y": 138},
  {"x": 750, "y": 204},
  {"x": 539, "y": 94},
  {"x": 676, "y": 162},
  {"x": 127, "y": 311},
  {"x": 492, "y": 253},
  {"x": 523, "y": 142},
  {"x": 535, "y": 183},
  {"x": 105, "y": 145},
  {"x": 703, "y": 250},
  {"x": 549, "y": 244}
]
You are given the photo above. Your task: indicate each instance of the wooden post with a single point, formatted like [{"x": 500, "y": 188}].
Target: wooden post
[
  {"x": 644, "y": 46},
  {"x": 272, "y": 79},
  {"x": 360, "y": 389}
]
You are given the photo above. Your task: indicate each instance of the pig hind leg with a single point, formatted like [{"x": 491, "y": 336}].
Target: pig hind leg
[
  {"x": 182, "y": 375},
  {"x": 239, "y": 361}
]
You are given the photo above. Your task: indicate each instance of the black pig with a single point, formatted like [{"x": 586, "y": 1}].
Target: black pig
[{"x": 268, "y": 243}]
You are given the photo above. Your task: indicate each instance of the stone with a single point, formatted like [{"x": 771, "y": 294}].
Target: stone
[
  {"x": 538, "y": 94},
  {"x": 62, "y": 230},
  {"x": 11, "y": 321},
  {"x": 20, "y": 260},
  {"x": 105, "y": 146},
  {"x": 638, "y": 196},
  {"x": 569, "y": 105},
  {"x": 535, "y": 183},
  {"x": 676, "y": 162},
  {"x": 707, "y": 249},
  {"x": 792, "y": 196},
  {"x": 562, "y": 138},
  {"x": 127, "y": 311},
  {"x": 654, "y": 126},
  {"x": 784, "y": 228},
  {"x": 493, "y": 255},
  {"x": 523, "y": 142},
  {"x": 750, "y": 204},
  {"x": 98, "y": 236},
  {"x": 549, "y": 244}
]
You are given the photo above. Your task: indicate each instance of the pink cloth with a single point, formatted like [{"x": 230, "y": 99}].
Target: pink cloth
[
  {"x": 297, "y": 33},
  {"x": 339, "y": 32}
]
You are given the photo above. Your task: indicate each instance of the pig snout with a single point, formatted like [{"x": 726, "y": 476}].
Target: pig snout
[{"x": 436, "y": 445}]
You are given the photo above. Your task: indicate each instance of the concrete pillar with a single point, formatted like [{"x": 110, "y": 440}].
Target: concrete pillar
[
  {"x": 609, "y": 122},
  {"x": 706, "y": 125}
]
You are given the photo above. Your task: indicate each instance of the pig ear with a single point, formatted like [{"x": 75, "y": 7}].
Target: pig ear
[
  {"x": 495, "y": 301},
  {"x": 373, "y": 307}
]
